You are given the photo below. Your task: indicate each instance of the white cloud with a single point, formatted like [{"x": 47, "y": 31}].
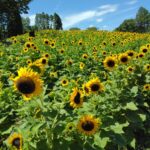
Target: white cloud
[
  {"x": 99, "y": 20},
  {"x": 132, "y": 2},
  {"x": 79, "y": 17}
]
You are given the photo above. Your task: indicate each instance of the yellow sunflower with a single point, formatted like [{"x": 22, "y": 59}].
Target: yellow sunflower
[
  {"x": 146, "y": 87},
  {"x": 141, "y": 55},
  {"x": 82, "y": 65},
  {"x": 95, "y": 86},
  {"x": 85, "y": 56},
  {"x": 143, "y": 49},
  {"x": 130, "y": 69},
  {"x": 43, "y": 61},
  {"x": 123, "y": 58},
  {"x": 147, "y": 67},
  {"x": 76, "y": 98},
  {"x": 70, "y": 127},
  {"x": 28, "y": 83},
  {"x": 28, "y": 44},
  {"x": 131, "y": 53},
  {"x": 86, "y": 89},
  {"x": 37, "y": 67},
  {"x": 52, "y": 45},
  {"x": 46, "y": 41},
  {"x": 15, "y": 141},
  {"x": 64, "y": 82},
  {"x": 88, "y": 125},
  {"x": 109, "y": 63}
]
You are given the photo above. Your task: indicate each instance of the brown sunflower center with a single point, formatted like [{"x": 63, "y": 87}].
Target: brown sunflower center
[
  {"x": 64, "y": 81},
  {"x": 95, "y": 87},
  {"x": 110, "y": 63},
  {"x": 77, "y": 98},
  {"x": 144, "y": 50},
  {"x": 25, "y": 85},
  {"x": 124, "y": 59},
  {"x": 130, "y": 54},
  {"x": 88, "y": 125},
  {"x": 16, "y": 143},
  {"x": 43, "y": 61}
]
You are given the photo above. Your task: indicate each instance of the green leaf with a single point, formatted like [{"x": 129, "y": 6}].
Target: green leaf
[{"x": 101, "y": 142}]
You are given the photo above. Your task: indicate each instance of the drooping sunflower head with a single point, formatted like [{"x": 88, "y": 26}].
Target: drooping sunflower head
[
  {"x": 95, "y": 85},
  {"x": 37, "y": 67},
  {"x": 15, "y": 141},
  {"x": 28, "y": 83},
  {"x": 109, "y": 63},
  {"x": 86, "y": 89},
  {"x": 123, "y": 58},
  {"x": 76, "y": 98},
  {"x": 88, "y": 125}
]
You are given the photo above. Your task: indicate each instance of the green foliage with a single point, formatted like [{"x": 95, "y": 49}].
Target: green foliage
[
  {"x": 92, "y": 29},
  {"x": 140, "y": 24}
]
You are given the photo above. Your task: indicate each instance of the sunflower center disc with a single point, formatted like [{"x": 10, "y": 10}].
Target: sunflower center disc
[
  {"x": 95, "y": 87},
  {"x": 124, "y": 59},
  {"x": 16, "y": 142},
  {"x": 88, "y": 126},
  {"x": 130, "y": 54},
  {"x": 44, "y": 61},
  {"x": 25, "y": 85},
  {"x": 144, "y": 50},
  {"x": 77, "y": 98},
  {"x": 111, "y": 63}
]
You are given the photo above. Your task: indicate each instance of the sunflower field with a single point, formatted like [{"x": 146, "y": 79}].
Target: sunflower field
[{"x": 75, "y": 90}]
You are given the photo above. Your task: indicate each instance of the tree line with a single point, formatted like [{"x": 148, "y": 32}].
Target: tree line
[
  {"x": 141, "y": 23},
  {"x": 43, "y": 21},
  {"x": 12, "y": 24}
]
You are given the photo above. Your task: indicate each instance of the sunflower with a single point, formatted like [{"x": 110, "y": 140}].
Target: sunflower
[
  {"x": 29, "y": 61},
  {"x": 82, "y": 65},
  {"x": 46, "y": 55},
  {"x": 25, "y": 49},
  {"x": 88, "y": 125},
  {"x": 104, "y": 53},
  {"x": 80, "y": 42},
  {"x": 70, "y": 127},
  {"x": 52, "y": 45},
  {"x": 86, "y": 89},
  {"x": 109, "y": 63},
  {"x": 131, "y": 53},
  {"x": 53, "y": 74},
  {"x": 46, "y": 41},
  {"x": 61, "y": 51},
  {"x": 15, "y": 140},
  {"x": 141, "y": 55},
  {"x": 76, "y": 98},
  {"x": 147, "y": 67},
  {"x": 95, "y": 85},
  {"x": 69, "y": 62},
  {"x": 123, "y": 58},
  {"x": 146, "y": 87},
  {"x": 28, "y": 83},
  {"x": 130, "y": 69},
  {"x": 64, "y": 82},
  {"x": 28, "y": 44},
  {"x": 43, "y": 61},
  {"x": 85, "y": 56},
  {"x": 143, "y": 49},
  {"x": 37, "y": 67}
]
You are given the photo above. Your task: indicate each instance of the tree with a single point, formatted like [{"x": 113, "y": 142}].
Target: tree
[
  {"x": 10, "y": 19},
  {"x": 128, "y": 25},
  {"x": 26, "y": 24},
  {"x": 74, "y": 28},
  {"x": 92, "y": 28},
  {"x": 57, "y": 23},
  {"x": 42, "y": 21},
  {"x": 143, "y": 19}
]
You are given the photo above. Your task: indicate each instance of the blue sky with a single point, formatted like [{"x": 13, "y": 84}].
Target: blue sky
[{"x": 104, "y": 14}]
